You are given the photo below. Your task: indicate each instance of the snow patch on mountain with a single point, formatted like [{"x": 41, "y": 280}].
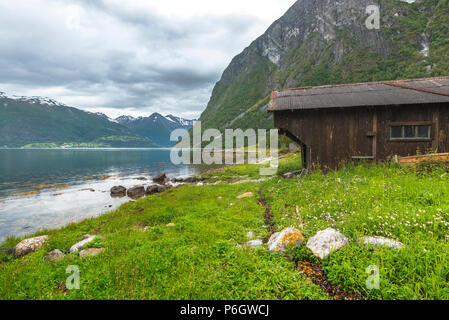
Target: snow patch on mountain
[
  {"x": 37, "y": 100},
  {"x": 179, "y": 120}
]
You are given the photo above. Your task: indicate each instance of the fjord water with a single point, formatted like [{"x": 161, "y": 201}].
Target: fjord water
[{"x": 50, "y": 188}]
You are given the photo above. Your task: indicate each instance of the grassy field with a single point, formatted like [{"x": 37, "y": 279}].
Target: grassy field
[{"x": 181, "y": 244}]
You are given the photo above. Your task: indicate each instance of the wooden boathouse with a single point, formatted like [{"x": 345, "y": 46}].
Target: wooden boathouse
[{"x": 365, "y": 121}]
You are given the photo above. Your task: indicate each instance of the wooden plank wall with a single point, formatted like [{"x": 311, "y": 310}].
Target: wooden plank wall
[{"x": 340, "y": 135}]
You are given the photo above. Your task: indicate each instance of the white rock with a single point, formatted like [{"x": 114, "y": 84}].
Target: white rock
[
  {"x": 288, "y": 237},
  {"x": 325, "y": 242},
  {"x": 29, "y": 245},
  {"x": 251, "y": 244},
  {"x": 80, "y": 245},
  {"x": 250, "y": 234},
  {"x": 381, "y": 241},
  {"x": 254, "y": 243}
]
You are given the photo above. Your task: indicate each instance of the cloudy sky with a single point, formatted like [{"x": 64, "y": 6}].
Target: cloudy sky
[{"x": 126, "y": 56}]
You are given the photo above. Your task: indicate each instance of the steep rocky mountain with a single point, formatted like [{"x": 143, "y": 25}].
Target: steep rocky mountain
[
  {"x": 39, "y": 121},
  {"x": 156, "y": 127},
  {"x": 321, "y": 42}
]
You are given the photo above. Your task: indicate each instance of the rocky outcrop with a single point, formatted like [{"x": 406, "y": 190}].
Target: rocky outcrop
[
  {"x": 287, "y": 238},
  {"x": 29, "y": 245},
  {"x": 136, "y": 192},
  {"x": 118, "y": 192},
  {"x": 381, "y": 241},
  {"x": 54, "y": 255},
  {"x": 326, "y": 242}
]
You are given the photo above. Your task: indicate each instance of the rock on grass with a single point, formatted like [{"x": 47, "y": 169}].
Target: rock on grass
[
  {"x": 29, "y": 245},
  {"x": 251, "y": 244},
  {"x": 245, "y": 195},
  {"x": 80, "y": 245},
  {"x": 325, "y": 242},
  {"x": 91, "y": 252},
  {"x": 54, "y": 255},
  {"x": 288, "y": 237},
  {"x": 381, "y": 241}
]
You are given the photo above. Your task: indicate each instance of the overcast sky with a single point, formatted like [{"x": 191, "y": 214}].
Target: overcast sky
[{"x": 126, "y": 56}]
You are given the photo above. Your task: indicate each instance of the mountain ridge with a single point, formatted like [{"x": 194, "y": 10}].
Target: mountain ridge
[
  {"x": 41, "y": 122},
  {"x": 156, "y": 126}
]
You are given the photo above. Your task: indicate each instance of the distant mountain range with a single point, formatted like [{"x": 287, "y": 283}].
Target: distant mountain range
[
  {"x": 43, "y": 122},
  {"x": 155, "y": 127}
]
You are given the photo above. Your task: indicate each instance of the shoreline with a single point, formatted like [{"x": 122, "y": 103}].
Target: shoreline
[{"x": 201, "y": 181}]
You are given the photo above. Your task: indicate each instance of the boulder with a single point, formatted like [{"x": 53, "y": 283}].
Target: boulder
[
  {"x": 288, "y": 237},
  {"x": 136, "y": 192},
  {"x": 80, "y": 245},
  {"x": 91, "y": 252},
  {"x": 155, "y": 189},
  {"x": 245, "y": 195},
  {"x": 54, "y": 255},
  {"x": 161, "y": 178},
  {"x": 325, "y": 242},
  {"x": 381, "y": 241},
  {"x": 118, "y": 191},
  {"x": 29, "y": 245}
]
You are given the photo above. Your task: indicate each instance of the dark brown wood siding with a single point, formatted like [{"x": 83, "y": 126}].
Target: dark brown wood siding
[{"x": 339, "y": 135}]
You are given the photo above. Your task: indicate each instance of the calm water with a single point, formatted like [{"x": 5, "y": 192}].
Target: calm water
[{"x": 69, "y": 185}]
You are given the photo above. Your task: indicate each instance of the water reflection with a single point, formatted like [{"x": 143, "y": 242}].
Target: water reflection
[{"x": 51, "y": 188}]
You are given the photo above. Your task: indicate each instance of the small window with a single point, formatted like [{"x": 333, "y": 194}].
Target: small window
[{"x": 410, "y": 132}]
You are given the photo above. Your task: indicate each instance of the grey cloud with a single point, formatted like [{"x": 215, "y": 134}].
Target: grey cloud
[{"x": 133, "y": 60}]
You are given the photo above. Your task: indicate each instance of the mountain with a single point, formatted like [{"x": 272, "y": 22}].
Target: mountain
[
  {"x": 39, "y": 121},
  {"x": 320, "y": 42},
  {"x": 156, "y": 127}
]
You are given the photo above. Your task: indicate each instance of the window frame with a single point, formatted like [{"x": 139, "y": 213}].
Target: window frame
[{"x": 414, "y": 124}]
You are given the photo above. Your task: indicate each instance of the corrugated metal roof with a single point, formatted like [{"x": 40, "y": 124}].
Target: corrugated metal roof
[{"x": 384, "y": 93}]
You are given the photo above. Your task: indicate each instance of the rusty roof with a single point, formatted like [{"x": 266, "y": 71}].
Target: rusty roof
[{"x": 382, "y": 93}]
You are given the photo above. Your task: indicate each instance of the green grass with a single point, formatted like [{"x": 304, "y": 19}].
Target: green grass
[
  {"x": 197, "y": 258},
  {"x": 386, "y": 200},
  {"x": 287, "y": 163}
]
